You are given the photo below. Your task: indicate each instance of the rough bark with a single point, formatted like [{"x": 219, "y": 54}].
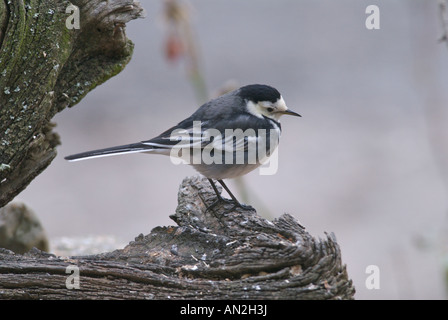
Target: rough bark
[
  {"x": 46, "y": 67},
  {"x": 221, "y": 253}
]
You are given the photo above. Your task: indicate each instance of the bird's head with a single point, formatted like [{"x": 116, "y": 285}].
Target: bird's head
[{"x": 264, "y": 101}]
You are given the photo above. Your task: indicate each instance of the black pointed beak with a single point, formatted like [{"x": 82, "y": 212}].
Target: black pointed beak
[{"x": 291, "y": 113}]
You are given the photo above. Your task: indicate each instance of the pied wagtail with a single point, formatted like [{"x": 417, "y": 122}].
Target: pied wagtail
[{"x": 253, "y": 107}]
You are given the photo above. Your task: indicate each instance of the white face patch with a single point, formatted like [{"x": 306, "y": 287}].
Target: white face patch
[
  {"x": 254, "y": 108},
  {"x": 267, "y": 108},
  {"x": 280, "y": 105}
]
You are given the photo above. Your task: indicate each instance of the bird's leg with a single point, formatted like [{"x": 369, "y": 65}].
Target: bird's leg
[
  {"x": 215, "y": 189},
  {"x": 218, "y": 195},
  {"x": 221, "y": 199},
  {"x": 235, "y": 201}
]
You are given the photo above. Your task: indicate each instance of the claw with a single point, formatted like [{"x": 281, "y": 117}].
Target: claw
[{"x": 219, "y": 199}]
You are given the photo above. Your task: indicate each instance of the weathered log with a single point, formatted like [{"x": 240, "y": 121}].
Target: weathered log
[
  {"x": 46, "y": 66},
  {"x": 220, "y": 253}
]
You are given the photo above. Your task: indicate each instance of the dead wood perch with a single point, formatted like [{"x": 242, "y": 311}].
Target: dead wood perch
[
  {"x": 209, "y": 255},
  {"x": 45, "y": 67}
]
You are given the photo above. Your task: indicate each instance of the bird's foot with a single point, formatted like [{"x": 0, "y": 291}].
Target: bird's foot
[
  {"x": 220, "y": 199},
  {"x": 236, "y": 204},
  {"x": 216, "y": 202}
]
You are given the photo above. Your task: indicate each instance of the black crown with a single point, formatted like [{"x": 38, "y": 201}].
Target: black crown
[{"x": 259, "y": 92}]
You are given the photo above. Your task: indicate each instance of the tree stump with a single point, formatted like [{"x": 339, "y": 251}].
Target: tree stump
[
  {"x": 211, "y": 254},
  {"x": 45, "y": 66}
]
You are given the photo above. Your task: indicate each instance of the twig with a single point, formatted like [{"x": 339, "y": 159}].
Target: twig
[{"x": 444, "y": 18}]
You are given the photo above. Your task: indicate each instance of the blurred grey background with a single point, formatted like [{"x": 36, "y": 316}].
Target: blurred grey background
[{"x": 368, "y": 160}]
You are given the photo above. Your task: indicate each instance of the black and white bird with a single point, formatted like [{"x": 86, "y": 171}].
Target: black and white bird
[{"x": 226, "y": 137}]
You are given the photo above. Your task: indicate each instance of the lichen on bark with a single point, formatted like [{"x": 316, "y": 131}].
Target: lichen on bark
[{"x": 46, "y": 67}]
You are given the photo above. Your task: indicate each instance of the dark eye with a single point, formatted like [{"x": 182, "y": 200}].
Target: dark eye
[{"x": 270, "y": 109}]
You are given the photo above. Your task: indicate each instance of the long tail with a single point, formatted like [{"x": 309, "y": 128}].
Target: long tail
[{"x": 128, "y": 148}]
